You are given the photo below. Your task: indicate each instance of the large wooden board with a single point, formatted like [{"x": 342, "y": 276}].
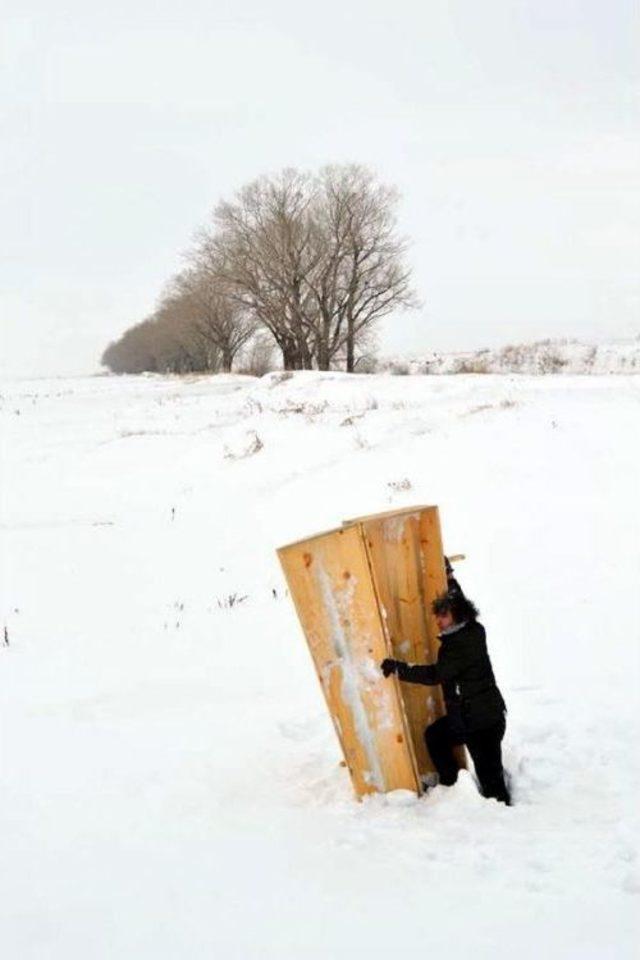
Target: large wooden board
[
  {"x": 386, "y": 513},
  {"x": 407, "y": 561},
  {"x": 330, "y": 580},
  {"x": 408, "y": 572},
  {"x": 434, "y": 579}
]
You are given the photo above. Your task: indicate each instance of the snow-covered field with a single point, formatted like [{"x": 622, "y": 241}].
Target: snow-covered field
[{"x": 171, "y": 785}]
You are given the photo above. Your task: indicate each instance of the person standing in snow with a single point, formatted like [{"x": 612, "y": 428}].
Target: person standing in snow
[{"x": 475, "y": 709}]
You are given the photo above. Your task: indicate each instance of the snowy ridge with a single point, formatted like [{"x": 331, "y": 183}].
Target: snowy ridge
[
  {"x": 171, "y": 782},
  {"x": 542, "y": 357}
]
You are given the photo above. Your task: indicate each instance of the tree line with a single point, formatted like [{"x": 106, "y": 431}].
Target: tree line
[{"x": 304, "y": 263}]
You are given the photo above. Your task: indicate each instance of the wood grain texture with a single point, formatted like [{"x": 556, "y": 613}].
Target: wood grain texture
[
  {"x": 407, "y": 561},
  {"x": 434, "y": 579},
  {"x": 398, "y": 563},
  {"x": 384, "y": 514},
  {"x": 329, "y": 577}
]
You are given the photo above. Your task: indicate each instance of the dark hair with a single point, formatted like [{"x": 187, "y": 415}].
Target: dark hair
[{"x": 457, "y": 605}]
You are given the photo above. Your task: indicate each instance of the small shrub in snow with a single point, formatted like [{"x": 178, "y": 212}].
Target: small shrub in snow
[
  {"x": 549, "y": 360},
  {"x": 472, "y": 365},
  {"x": 231, "y": 600},
  {"x": 399, "y": 368},
  {"x": 400, "y": 486},
  {"x": 366, "y": 365},
  {"x": 253, "y": 406},
  {"x": 590, "y": 357},
  {"x": 257, "y": 359},
  {"x": 513, "y": 356},
  {"x": 304, "y": 408},
  {"x": 349, "y": 421},
  {"x": 480, "y": 408},
  {"x": 253, "y": 446},
  {"x": 281, "y": 377}
]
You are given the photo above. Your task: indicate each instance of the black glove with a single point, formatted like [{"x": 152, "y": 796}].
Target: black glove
[
  {"x": 448, "y": 568},
  {"x": 389, "y": 666}
]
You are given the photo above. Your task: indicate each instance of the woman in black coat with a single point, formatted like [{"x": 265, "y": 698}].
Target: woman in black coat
[{"x": 475, "y": 709}]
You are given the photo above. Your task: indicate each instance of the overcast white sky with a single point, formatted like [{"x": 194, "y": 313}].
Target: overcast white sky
[{"x": 511, "y": 129}]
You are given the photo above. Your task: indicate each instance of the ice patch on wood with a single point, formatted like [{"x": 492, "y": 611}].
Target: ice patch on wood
[
  {"x": 379, "y": 692},
  {"x": 394, "y": 528},
  {"x": 354, "y": 679}
]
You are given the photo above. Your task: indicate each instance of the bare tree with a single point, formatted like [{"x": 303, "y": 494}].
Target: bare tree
[
  {"x": 363, "y": 277},
  {"x": 262, "y": 243},
  {"x": 179, "y": 344},
  {"x": 314, "y": 260},
  {"x": 166, "y": 342},
  {"x": 203, "y": 295},
  {"x": 257, "y": 357},
  {"x": 133, "y": 351}
]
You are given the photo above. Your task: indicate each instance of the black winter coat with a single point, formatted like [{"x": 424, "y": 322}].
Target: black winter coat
[{"x": 463, "y": 667}]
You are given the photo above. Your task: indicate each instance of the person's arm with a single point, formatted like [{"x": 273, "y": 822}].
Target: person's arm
[
  {"x": 453, "y": 587},
  {"x": 423, "y": 673},
  {"x": 458, "y": 658}
]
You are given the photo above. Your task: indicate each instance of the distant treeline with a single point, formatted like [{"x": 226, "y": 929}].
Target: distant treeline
[{"x": 304, "y": 264}]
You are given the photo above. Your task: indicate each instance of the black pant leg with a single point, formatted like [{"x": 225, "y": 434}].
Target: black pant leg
[
  {"x": 486, "y": 752},
  {"x": 440, "y": 743}
]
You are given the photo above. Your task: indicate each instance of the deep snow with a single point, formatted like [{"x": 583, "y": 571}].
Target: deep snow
[{"x": 171, "y": 783}]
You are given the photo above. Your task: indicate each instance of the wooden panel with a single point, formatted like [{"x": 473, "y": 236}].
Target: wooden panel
[
  {"x": 434, "y": 576},
  {"x": 434, "y": 580},
  {"x": 386, "y": 513},
  {"x": 404, "y": 581},
  {"x": 330, "y": 581}
]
